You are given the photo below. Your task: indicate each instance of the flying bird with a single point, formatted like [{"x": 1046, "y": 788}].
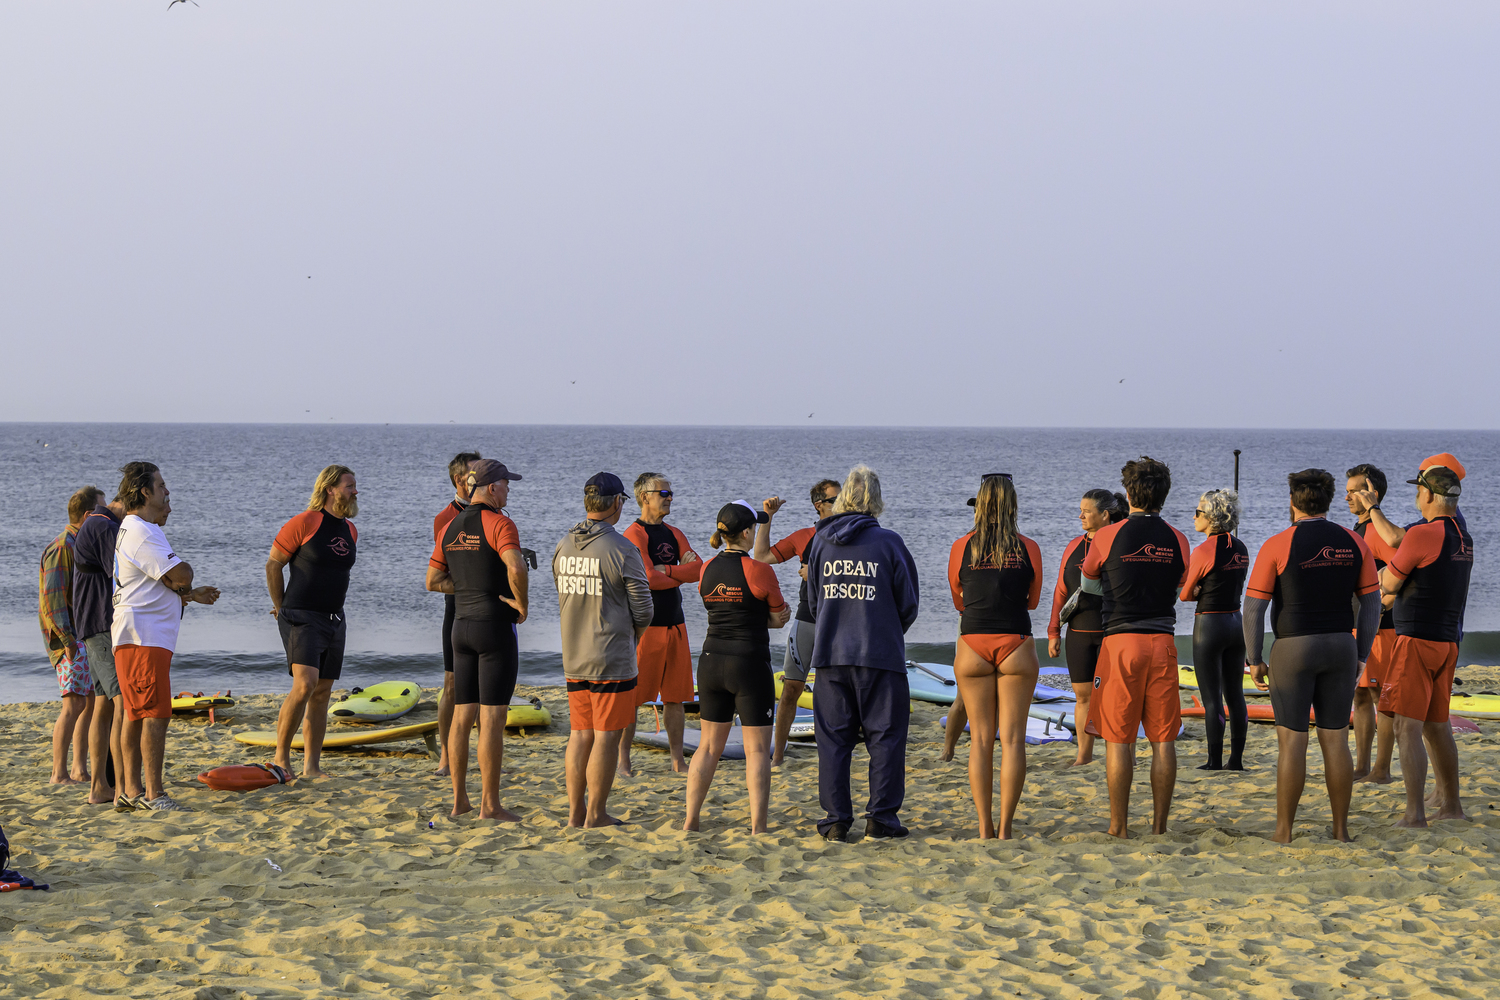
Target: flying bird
[
  {"x": 574, "y": 382},
  {"x": 809, "y": 416},
  {"x": 1122, "y": 380},
  {"x": 174, "y": 3}
]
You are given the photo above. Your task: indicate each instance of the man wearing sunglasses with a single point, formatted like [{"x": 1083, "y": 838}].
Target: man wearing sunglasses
[
  {"x": 1429, "y": 575},
  {"x": 663, "y": 659},
  {"x": 799, "y": 635}
]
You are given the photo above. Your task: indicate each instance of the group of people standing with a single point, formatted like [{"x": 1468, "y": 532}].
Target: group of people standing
[{"x": 1367, "y": 623}]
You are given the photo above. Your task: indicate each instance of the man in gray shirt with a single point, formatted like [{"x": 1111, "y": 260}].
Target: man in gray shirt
[{"x": 604, "y": 603}]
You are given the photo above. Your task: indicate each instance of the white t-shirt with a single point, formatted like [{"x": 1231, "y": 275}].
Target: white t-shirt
[{"x": 147, "y": 611}]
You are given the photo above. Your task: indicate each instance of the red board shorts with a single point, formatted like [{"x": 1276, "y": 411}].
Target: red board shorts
[
  {"x": 1135, "y": 685},
  {"x": 995, "y": 647},
  {"x": 1418, "y": 679},
  {"x": 603, "y": 706},
  {"x": 145, "y": 681},
  {"x": 664, "y": 665},
  {"x": 1380, "y": 655}
]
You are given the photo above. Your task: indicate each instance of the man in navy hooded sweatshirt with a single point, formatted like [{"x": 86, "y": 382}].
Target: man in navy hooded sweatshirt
[{"x": 862, "y": 591}]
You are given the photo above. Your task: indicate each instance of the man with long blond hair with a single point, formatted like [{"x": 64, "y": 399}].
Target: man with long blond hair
[{"x": 318, "y": 544}]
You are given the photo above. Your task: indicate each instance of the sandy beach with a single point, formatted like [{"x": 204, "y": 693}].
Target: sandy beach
[{"x": 371, "y": 901}]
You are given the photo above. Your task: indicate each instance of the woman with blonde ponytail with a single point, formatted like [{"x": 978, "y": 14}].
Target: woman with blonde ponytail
[{"x": 995, "y": 574}]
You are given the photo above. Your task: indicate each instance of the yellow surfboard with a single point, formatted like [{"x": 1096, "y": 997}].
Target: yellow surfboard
[
  {"x": 806, "y": 698},
  {"x": 351, "y": 737}
]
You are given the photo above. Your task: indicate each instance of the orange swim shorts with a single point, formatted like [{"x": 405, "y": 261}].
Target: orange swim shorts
[
  {"x": 664, "y": 665},
  {"x": 145, "y": 681},
  {"x": 995, "y": 647},
  {"x": 1380, "y": 655},
  {"x": 601, "y": 705},
  {"x": 1418, "y": 679},
  {"x": 1135, "y": 685}
]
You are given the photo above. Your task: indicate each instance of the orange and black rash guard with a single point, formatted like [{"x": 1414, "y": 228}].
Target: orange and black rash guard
[
  {"x": 1435, "y": 559},
  {"x": 1219, "y": 565},
  {"x": 444, "y": 516},
  {"x": 739, "y": 594},
  {"x": 994, "y": 600},
  {"x": 320, "y": 549},
  {"x": 795, "y": 544},
  {"x": 1383, "y": 554},
  {"x": 1311, "y": 573},
  {"x": 663, "y": 545},
  {"x": 1141, "y": 562},
  {"x": 469, "y": 552},
  {"x": 1088, "y": 612}
]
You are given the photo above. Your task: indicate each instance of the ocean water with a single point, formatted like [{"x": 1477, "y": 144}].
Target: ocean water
[{"x": 234, "y": 485}]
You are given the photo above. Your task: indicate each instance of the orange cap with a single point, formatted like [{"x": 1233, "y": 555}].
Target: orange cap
[{"x": 1446, "y": 460}]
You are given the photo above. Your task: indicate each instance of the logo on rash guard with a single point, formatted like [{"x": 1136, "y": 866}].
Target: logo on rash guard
[
  {"x": 1328, "y": 555},
  {"x": 1464, "y": 552},
  {"x": 463, "y": 542},
  {"x": 666, "y": 554},
  {"x": 1151, "y": 552},
  {"x": 724, "y": 592},
  {"x": 339, "y": 546}
]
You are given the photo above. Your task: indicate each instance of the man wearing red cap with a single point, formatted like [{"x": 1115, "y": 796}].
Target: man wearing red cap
[
  {"x": 1391, "y": 533},
  {"x": 1429, "y": 575}
]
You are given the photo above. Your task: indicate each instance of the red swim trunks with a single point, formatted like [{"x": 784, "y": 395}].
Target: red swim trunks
[
  {"x": 664, "y": 665},
  {"x": 601, "y": 705},
  {"x": 1418, "y": 681},
  {"x": 1135, "y": 685},
  {"x": 145, "y": 681}
]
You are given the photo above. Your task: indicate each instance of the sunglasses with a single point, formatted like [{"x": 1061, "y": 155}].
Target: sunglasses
[
  {"x": 825, "y": 501},
  {"x": 664, "y": 494},
  {"x": 992, "y": 475},
  {"x": 1200, "y": 513}
]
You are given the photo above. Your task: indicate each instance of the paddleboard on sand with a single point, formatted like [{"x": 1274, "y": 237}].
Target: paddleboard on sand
[
  {"x": 1038, "y": 731},
  {"x": 733, "y": 750},
  {"x": 1187, "y": 677},
  {"x": 802, "y": 725},
  {"x": 527, "y": 713},
  {"x": 1264, "y": 713},
  {"x": 931, "y": 682},
  {"x": 200, "y": 702},
  {"x": 376, "y": 703},
  {"x": 352, "y": 737},
  {"x": 804, "y": 700}
]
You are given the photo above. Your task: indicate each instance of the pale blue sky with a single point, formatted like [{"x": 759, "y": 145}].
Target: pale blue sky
[{"x": 1257, "y": 214}]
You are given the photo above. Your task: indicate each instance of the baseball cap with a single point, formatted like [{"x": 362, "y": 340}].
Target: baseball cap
[
  {"x": 1446, "y": 460},
  {"x": 736, "y": 517},
  {"x": 1439, "y": 479},
  {"x": 486, "y": 471},
  {"x": 605, "y": 484},
  {"x": 1004, "y": 475}
]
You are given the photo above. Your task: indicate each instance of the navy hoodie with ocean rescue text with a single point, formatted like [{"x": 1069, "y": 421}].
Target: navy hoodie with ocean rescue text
[{"x": 862, "y": 592}]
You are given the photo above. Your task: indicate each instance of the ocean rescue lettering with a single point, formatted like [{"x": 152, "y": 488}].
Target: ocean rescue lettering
[
  {"x": 579, "y": 575},
  {"x": 849, "y": 591}
]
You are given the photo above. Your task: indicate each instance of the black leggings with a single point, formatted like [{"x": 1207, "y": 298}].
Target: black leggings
[
  {"x": 1219, "y": 662},
  {"x": 1317, "y": 673},
  {"x": 736, "y": 685},
  {"x": 449, "y": 611},
  {"x": 485, "y": 662},
  {"x": 1081, "y": 649}
]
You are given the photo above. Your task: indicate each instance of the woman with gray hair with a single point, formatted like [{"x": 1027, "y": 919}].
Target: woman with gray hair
[
  {"x": 862, "y": 592},
  {"x": 1216, "y": 580}
]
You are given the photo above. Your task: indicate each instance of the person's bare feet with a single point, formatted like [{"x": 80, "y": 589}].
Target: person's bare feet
[
  {"x": 689, "y": 826},
  {"x": 315, "y": 774},
  {"x": 109, "y": 796},
  {"x": 1407, "y": 823},
  {"x": 1122, "y": 834},
  {"x": 625, "y": 772},
  {"x": 1376, "y": 778},
  {"x": 1080, "y": 763},
  {"x": 777, "y": 761},
  {"x": 679, "y": 766},
  {"x": 1342, "y": 836},
  {"x": 502, "y": 815},
  {"x": 285, "y": 765},
  {"x": 459, "y": 808},
  {"x": 80, "y": 778},
  {"x": 946, "y": 755},
  {"x": 605, "y": 820},
  {"x": 66, "y": 779}
]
